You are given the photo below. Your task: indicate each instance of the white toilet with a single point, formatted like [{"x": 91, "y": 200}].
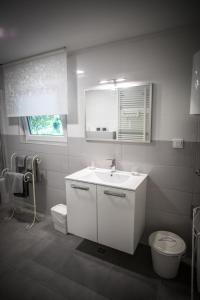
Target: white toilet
[
  {"x": 167, "y": 249},
  {"x": 59, "y": 216}
]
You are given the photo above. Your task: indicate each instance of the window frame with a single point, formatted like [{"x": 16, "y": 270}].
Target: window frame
[{"x": 40, "y": 138}]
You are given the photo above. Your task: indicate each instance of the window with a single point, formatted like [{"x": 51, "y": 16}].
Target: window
[
  {"x": 45, "y": 128},
  {"x": 45, "y": 125}
]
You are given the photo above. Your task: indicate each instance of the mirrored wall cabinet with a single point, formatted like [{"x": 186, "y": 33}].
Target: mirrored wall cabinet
[
  {"x": 119, "y": 112},
  {"x": 195, "y": 89}
]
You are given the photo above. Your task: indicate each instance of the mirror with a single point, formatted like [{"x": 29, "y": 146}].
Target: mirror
[{"x": 119, "y": 112}]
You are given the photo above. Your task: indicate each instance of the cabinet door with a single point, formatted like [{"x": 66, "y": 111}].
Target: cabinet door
[
  {"x": 82, "y": 209},
  {"x": 115, "y": 218}
]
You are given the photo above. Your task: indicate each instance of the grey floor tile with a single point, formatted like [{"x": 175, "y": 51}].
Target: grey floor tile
[
  {"x": 121, "y": 286},
  {"x": 72, "y": 290},
  {"x": 87, "y": 271},
  {"x": 37, "y": 291},
  {"x": 17, "y": 285},
  {"x": 16, "y": 243},
  {"x": 170, "y": 291},
  {"x": 128, "y": 262},
  {"x": 5, "y": 269},
  {"x": 44, "y": 264},
  {"x": 58, "y": 252},
  {"x": 13, "y": 285},
  {"x": 57, "y": 283}
]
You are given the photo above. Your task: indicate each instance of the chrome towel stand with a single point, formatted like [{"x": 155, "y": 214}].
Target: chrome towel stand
[
  {"x": 28, "y": 177},
  {"x": 35, "y": 158}
]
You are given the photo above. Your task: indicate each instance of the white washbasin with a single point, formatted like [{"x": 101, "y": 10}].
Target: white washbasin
[
  {"x": 112, "y": 177},
  {"x": 121, "y": 179}
]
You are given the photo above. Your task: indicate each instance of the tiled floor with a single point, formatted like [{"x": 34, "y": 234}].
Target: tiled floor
[{"x": 43, "y": 264}]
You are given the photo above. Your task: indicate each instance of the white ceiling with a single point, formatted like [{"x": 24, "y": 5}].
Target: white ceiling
[{"x": 30, "y": 27}]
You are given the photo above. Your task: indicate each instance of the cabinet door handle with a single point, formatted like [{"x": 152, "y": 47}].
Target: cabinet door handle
[
  {"x": 79, "y": 187},
  {"x": 122, "y": 195}
]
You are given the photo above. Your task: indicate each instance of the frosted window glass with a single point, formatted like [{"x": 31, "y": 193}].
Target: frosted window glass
[{"x": 37, "y": 86}]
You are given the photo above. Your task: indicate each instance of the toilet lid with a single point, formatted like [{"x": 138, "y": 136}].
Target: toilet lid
[
  {"x": 60, "y": 209},
  {"x": 167, "y": 243}
]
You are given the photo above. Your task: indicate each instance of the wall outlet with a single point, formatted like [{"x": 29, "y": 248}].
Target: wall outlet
[{"x": 178, "y": 143}]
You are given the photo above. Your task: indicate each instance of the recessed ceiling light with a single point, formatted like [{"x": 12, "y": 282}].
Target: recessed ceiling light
[{"x": 80, "y": 72}]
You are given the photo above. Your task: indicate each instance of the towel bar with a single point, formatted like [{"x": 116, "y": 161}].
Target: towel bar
[{"x": 29, "y": 176}]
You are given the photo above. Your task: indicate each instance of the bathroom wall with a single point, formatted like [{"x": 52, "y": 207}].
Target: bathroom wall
[{"x": 165, "y": 59}]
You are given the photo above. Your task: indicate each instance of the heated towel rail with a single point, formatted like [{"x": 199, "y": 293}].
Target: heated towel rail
[{"x": 29, "y": 176}]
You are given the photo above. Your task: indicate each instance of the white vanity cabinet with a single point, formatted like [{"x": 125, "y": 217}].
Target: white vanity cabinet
[
  {"x": 121, "y": 217},
  {"x": 82, "y": 209},
  {"x": 115, "y": 218},
  {"x": 107, "y": 213}
]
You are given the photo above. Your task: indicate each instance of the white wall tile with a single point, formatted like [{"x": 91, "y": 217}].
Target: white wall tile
[
  {"x": 56, "y": 179},
  {"x": 94, "y": 151},
  {"x": 169, "y": 201},
  {"x": 54, "y": 196},
  {"x": 181, "y": 225},
  {"x": 173, "y": 177},
  {"x": 54, "y": 162},
  {"x": 160, "y": 153},
  {"x": 77, "y": 163}
]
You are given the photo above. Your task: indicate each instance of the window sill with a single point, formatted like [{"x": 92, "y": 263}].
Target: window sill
[{"x": 24, "y": 140}]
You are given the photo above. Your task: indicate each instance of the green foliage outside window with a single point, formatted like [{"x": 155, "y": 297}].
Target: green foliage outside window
[{"x": 45, "y": 125}]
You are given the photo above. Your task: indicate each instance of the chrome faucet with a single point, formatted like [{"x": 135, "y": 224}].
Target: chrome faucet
[{"x": 113, "y": 164}]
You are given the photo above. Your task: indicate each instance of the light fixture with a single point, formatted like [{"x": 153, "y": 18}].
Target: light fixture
[
  {"x": 80, "y": 72},
  {"x": 120, "y": 79},
  {"x": 112, "y": 80},
  {"x": 104, "y": 81}
]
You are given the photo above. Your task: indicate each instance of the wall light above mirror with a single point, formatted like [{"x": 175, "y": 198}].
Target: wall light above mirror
[
  {"x": 119, "y": 112},
  {"x": 113, "y": 81}
]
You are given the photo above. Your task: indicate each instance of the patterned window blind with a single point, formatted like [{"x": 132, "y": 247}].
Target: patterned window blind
[
  {"x": 37, "y": 85},
  {"x": 135, "y": 113}
]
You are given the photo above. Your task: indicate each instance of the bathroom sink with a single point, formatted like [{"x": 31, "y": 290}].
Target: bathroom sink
[
  {"x": 112, "y": 177},
  {"x": 121, "y": 179},
  {"x": 106, "y": 176}
]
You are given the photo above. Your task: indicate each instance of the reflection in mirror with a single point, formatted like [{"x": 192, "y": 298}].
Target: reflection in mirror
[
  {"x": 119, "y": 113},
  {"x": 101, "y": 114}
]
